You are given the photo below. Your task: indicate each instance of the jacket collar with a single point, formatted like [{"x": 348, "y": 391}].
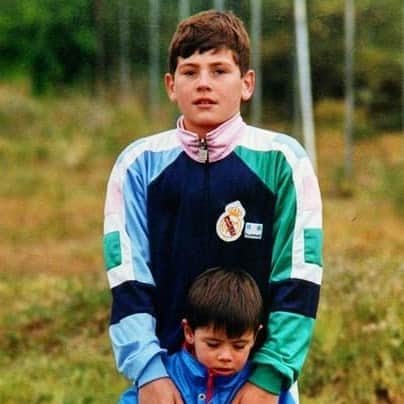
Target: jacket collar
[
  {"x": 220, "y": 142},
  {"x": 200, "y": 374}
]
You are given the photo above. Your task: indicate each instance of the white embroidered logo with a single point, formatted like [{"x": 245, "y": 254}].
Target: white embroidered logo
[
  {"x": 229, "y": 226},
  {"x": 253, "y": 230}
]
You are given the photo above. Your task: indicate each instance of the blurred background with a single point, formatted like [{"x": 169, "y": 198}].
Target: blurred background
[{"x": 80, "y": 79}]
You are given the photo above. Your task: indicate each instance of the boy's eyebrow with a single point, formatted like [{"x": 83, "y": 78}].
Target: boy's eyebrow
[
  {"x": 213, "y": 339},
  {"x": 240, "y": 339},
  {"x": 234, "y": 340},
  {"x": 187, "y": 64},
  {"x": 213, "y": 64},
  {"x": 224, "y": 62}
]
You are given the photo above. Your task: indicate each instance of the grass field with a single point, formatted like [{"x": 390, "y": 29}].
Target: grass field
[{"x": 55, "y": 157}]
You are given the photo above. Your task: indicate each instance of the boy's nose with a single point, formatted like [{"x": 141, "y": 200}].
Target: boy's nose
[
  {"x": 225, "y": 355},
  {"x": 204, "y": 80}
]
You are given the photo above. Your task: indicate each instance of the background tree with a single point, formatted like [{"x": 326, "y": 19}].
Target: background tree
[
  {"x": 349, "y": 83},
  {"x": 154, "y": 56},
  {"x": 304, "y": 79},
  {"x": 100, "y": 76},
  {"x": 124, "y": 33},
  {"x": 183, "y": 9},
  {"x": 256, "y": 40}
]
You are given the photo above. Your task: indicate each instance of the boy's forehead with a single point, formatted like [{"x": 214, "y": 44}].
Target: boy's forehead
[
  {"x": 210, "y": 56},
  {"x": 220, "y": 334}
]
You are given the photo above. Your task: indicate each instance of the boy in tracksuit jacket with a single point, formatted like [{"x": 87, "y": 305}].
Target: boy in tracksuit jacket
[
  {"x": 212, "y": 192},
  {"x": 223, "y": 317}
]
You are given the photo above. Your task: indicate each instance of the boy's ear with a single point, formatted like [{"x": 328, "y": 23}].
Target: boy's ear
[
  {"x": 170, "y": 87},
  {"x": 188, "y": 333},
  {"x": 248, "y": 85}
]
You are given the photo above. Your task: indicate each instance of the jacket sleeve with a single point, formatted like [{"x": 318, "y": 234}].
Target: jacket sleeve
[
  {"x": 296, "y": 270},
  {"x": 126, "y": 253}
]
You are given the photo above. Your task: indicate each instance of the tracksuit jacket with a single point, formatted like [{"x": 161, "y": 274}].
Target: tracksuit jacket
[
  {"x": 177, "y": 205},
  {"x": 198, "y": 385}
]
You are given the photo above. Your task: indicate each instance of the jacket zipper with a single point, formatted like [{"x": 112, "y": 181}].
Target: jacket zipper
[
  {"x": 203, "y": 154},
  {"x": 209, "y": 387},
  {"x": 203, "y": 157}
]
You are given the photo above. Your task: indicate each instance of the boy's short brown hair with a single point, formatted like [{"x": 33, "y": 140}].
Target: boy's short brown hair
[
  {"x": 228, "y": 299},
  {"x": 208, "y": 30}
]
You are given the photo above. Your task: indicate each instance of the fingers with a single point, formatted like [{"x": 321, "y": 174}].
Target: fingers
[{"x": 160, "y": 391}]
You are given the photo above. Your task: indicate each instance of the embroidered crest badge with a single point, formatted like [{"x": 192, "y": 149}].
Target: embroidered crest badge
[{"x": 229, "y": 226}]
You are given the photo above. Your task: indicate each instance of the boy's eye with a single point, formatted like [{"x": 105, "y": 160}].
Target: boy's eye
[
  {"x": 212, "y": 344},
  {"x": 189, "y": 72},
  {"x": 239, "y": 347}
]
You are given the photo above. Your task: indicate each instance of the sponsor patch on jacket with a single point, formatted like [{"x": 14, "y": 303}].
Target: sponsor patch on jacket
[
  {"x": 253, "y": 230},
  {"x": 229, "y": 226}
]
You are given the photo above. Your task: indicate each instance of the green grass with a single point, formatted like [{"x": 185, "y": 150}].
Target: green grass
[
  {"x": 358, "y": 347},
  {"x": 54, "y": 347},
  {"x": 54, "y": 344}
]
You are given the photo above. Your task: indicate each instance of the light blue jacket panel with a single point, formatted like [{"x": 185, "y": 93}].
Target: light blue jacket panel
[{"x": 191, "y": 379}]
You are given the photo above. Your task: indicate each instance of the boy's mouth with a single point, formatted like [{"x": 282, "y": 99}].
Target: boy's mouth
[
  {"x": 223, "y": 371},
  {"x": 204, "y": 101}
]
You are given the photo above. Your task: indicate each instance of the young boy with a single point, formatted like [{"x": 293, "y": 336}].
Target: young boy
[
  {"x": 214, "y": 192},
  {"x": 222, "y": 320}
]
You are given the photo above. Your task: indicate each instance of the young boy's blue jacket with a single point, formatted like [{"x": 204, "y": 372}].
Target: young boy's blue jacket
[
  {"x": 198, "y": 386},
  {"x": 176, "y": 206}
]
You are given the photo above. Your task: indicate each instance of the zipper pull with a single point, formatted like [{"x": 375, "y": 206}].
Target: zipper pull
[{"x": 203, "y": 155}]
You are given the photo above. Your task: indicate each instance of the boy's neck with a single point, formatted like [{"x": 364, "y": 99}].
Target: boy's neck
[{"x": 204, "y": 135}]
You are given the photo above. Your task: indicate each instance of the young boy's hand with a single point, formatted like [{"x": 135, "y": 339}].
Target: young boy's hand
[
  {"x": 250, "y": 393},
  {"x": 160, "y": 391}
]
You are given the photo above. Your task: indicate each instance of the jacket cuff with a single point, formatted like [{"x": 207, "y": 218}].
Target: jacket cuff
[
  {"x": 267, "y": 378},
  {"x": 154, "y": 370}
]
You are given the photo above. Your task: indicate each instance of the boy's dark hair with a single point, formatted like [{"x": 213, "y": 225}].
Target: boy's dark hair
[
  {"x": 208, "y": 30},
  {"x": 227, "y": 299}
]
